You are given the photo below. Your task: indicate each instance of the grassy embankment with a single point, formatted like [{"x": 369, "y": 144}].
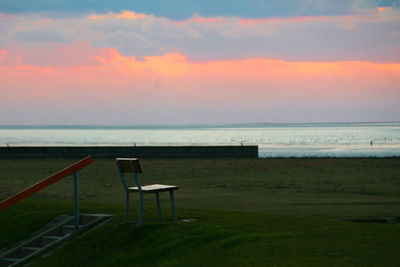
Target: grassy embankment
[{"x": 249, "y": 212}]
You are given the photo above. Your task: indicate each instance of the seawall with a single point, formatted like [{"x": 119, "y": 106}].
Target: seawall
[{"x": 130, "y": 151}]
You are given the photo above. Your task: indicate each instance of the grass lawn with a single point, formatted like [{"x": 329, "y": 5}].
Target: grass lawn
[{"x": 263, "y": 212}]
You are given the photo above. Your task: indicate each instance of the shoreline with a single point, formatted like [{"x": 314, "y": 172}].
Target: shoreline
[{"x": 173, "y": 151}]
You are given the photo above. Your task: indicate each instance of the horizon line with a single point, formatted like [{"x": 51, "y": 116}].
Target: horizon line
[{"x": 192, "y": 124}]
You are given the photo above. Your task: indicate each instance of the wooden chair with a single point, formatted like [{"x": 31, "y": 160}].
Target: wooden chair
[{"x": 131, "y": 165}]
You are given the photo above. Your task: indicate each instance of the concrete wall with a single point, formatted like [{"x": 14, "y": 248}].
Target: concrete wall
[{"x": 131, "y": 151}]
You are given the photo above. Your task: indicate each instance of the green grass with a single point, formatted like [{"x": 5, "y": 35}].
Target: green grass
[{"x": 262, "y": 212}]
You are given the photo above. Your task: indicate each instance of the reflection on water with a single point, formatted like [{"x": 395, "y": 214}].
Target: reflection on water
[{"x": 287, "y": 140}]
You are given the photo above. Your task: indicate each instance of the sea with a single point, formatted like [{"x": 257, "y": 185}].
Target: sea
[{"x": 273, "y": 140}]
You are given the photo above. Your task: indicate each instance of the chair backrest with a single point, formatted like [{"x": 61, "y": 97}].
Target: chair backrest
[
  {"x": 129, "y": 165},
  {"x": 126, "y": 165}
]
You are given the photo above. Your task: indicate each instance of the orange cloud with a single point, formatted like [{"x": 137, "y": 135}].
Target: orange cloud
[
  {"x": 96, "y": 17},
  {"x": 131, "y": 15},
  {"x": 126, "y": 14},
  {"x": 383, "y": 9},
  {"x": 174, "y": 78},
  {"x": 176, "y": 64},
  {"x": 172, "y": 64}
]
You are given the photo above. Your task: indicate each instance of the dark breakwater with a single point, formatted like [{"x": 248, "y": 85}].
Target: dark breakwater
[{"x": 130, "y": 151}]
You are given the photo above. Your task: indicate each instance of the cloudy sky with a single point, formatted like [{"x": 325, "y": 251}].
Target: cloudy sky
[{"x": 177, "y": 62}]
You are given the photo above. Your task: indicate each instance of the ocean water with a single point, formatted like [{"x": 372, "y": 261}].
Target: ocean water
[{"x": 274, "y": 140}]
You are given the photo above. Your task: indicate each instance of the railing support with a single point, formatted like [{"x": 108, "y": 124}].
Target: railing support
[
  {"x": 76, "y": 198},
  {"x": 46, "y": 182}
]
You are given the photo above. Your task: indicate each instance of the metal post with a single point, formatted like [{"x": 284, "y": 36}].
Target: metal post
[
  {"x": 126, "y": 207},
  {"x": 76, "y": 198},
  {"x": 158, "y": 205},
  {"x": 171, "y": 194},
  {"x": 140, "y": 219},
  {"x": 134, "y": 171}
]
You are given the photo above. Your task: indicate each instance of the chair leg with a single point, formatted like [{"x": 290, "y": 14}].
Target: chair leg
[
  {"x": 171, "y": 194},
  {"x": 140, "y": 219},
  {"x": 126, "y": 207},
  {"x": 158, "y": 205}
]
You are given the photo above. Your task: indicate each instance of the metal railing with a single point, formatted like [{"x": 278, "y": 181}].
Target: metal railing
[{"x": 71, "y": 170}]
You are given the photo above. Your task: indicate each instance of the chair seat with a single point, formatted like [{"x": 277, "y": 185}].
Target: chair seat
[{"x": 153, "y": 188}]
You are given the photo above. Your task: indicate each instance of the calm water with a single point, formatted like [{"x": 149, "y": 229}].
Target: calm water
[{"x": 274, "y": 140}]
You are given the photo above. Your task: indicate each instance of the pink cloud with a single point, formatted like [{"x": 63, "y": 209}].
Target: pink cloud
[
  {"x": 55, "y": 55},
  {"x": 172, "y": 80},
  {"x": 200, "y": 19},
  {"x": 250, "y": 21},
  {"x": 196, "y": 19},
  {"x": 5, "y": 15},
  {"x": 282, "y": 19},
  {"x": 3, "y": 53}
]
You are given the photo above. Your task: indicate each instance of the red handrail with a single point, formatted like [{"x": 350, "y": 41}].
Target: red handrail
[{"x": 46, "y": 182}]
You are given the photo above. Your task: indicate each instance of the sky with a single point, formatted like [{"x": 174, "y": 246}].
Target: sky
[{"x": 198, "y": 62}]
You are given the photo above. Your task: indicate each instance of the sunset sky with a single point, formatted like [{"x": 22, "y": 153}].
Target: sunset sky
[{"x": 189, "y": 62}]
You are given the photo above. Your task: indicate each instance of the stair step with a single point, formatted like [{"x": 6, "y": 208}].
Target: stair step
[
  {"x": 31, "y": 248},
  {"x": 85, "y": 219},
  {"x": 47, "y": 239},
  {"x": 9, "y": 260},
  {"x": 62, "y": 230},
  {"x": 72, "y": 226},
  {"x": 26, "y": 251},
  {"x": 68, "y": 229}
]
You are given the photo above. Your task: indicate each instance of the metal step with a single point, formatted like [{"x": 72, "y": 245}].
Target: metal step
[
  {"x": 8, "y": 261},
  {"x": 25, "y": 251},
  {"x": 48, "y": 239}
]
